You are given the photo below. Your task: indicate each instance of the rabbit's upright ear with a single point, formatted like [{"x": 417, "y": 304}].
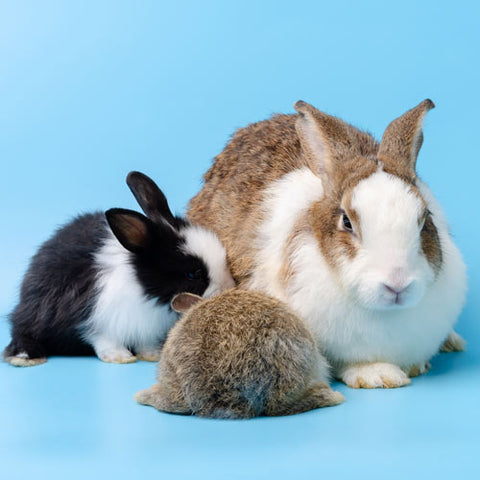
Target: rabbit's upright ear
[
  {"x": 403, "y": 139},
  {"x": 182, "y": 302},
  {"x": 133, "y": 230},
  {"x": 150, "y": 198},
  {"x": 324, "y": 138}
]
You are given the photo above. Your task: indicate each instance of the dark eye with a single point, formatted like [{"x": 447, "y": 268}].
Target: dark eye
[
  {"x": 194, "y": 275},
  {"x": 346, "y": 223}
]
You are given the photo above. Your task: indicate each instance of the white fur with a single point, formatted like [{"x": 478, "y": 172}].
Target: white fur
[
  {"x": 206, "y": 245},
  {"x": 284, "y": 202},
  {"x": 347, "y": 310},
  {"x": 123, "y": 315}
]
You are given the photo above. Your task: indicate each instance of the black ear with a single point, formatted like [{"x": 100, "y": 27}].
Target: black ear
[
  {"x": 132, "y": 229},
  {"x": 150, "y": 198}
]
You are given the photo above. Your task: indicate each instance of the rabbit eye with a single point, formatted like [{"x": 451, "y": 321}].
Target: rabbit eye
[
  {"x": 346, "y": 223},
  {"x": 194, "y": 275}
]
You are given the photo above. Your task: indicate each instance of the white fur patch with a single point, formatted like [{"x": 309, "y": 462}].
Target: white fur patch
[
  {"x": 390, "y": 251},
  {"x": 123, "y": 315},
  {"x": 205, "y": 244}
]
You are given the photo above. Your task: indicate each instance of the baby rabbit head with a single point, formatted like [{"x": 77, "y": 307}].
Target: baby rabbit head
[
  {"x": 170, "y": 255},
  {"x": 372, "y": 224}
]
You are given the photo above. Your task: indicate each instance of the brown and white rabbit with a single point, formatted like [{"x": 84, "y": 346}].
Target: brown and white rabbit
[
  {"x": 240, "y": 354},
  {"x": 320, "y": 215},
  {"x": 103, "y": 282}
]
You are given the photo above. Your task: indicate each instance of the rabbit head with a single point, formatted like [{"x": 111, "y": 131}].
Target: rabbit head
[
  {"x": 162, "y": 267},
  {"x": 170, "y": 254},
  {"x": 193, "y": 241},
  {"x": 372, "y": 223}
]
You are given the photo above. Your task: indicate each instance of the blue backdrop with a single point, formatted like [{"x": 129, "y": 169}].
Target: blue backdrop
[{"x": 92, "y": 89}]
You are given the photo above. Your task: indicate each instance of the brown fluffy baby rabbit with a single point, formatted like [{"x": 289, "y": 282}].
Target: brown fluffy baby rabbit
[{"x": 240, "y": 354}]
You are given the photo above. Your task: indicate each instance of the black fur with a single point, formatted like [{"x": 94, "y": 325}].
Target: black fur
[
  {"x": 58, "y": 291},
  {"x": 152, "y": 200},
  {"x": 161, "y": 266}
]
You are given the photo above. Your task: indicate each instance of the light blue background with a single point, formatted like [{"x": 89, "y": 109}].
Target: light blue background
[{"x": 92, "y": 89}]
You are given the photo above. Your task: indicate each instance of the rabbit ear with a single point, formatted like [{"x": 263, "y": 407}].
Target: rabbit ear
[
  {"x": 403, "y": 139},
  {"x": 150, "y": 198},
  {"x": 322, "y": 138},
  {"x": 133, "y": 230},
  {"x": 182, "y": 302}
]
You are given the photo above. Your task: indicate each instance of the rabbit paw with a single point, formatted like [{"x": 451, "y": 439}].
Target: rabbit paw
[
  {"x": 119, "y": 355},
  {"x": 374, "y": 375},
  {"x": 417, "y": 370},
  {"x": 151, "y": 354},
  {"x": 23, "y": 360},
  {"x": 453, "y": 343}
]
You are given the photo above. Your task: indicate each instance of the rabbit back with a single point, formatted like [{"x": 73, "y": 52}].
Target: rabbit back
[
  {"x": 58, "y": 291},
  {"x": 241, "y": 355}
]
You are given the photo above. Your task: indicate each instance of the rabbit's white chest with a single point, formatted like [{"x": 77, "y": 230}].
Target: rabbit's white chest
[{"x": 122, "y": 312}]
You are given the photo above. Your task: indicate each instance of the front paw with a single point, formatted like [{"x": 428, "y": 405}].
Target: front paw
[
  {"x": 149, "y": 354},
  {"x": 117, "y": 356},
  {"x": 374, "y": 375}
]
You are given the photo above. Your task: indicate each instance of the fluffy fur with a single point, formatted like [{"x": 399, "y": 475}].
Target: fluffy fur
[
  {"x": 103, "y": 283},
  {"x": 239, "y": 355},
  {"x": 124, "y": 317},
  {"x": 340, "y": 227},
  {"x": 205, "y": 244}
]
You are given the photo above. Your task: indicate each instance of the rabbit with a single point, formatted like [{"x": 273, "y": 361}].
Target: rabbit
[
  {"x": 103, "y": 282},
  {"x": 240, "y": 354},
  {"x": 318, "y": 214}
]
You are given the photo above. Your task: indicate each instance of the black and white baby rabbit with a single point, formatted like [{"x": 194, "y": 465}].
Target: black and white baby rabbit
[{"x": 103, "y": 283}]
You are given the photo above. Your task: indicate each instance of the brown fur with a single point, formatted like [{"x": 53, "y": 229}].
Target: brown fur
[
  {"x": 453, "y": 343},
  {"x": 263, "y": 152},
  {"x": 417, "y": 370},
  {"x": 301, "y": 227},
  {"x": 239, "y": 355},
  {"x": 255, "y": 157},
  {"x": 402, "y": 140}
]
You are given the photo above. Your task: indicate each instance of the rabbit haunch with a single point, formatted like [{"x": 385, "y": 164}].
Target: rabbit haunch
[
  {"x": 318, "y": 214},
  {"x": 238, "y": 355}
]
